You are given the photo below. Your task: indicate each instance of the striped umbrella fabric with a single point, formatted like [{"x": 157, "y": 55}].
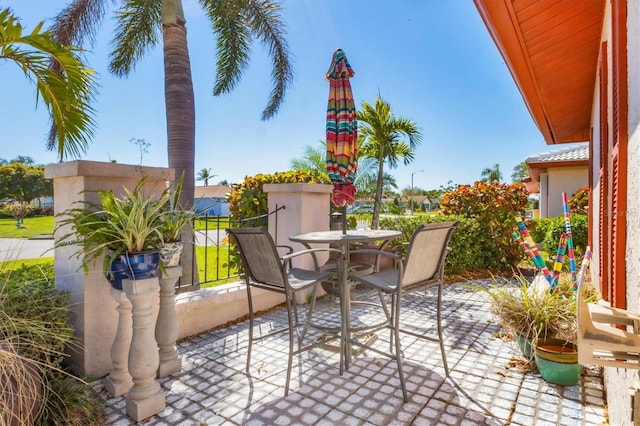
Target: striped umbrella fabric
[{"x": 342, "y": 131}]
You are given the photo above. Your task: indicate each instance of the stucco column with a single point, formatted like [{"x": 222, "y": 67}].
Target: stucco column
[
  {"x": 306, "y": 209},
  {"x": 93, "y": 312},
  {"x": 145, "y": 397},
  {"x": 167, "y": 323},
  {"x": 118, "y": 382}
]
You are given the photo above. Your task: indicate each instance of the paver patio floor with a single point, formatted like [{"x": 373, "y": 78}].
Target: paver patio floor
[{"x": 213, "y": 388}]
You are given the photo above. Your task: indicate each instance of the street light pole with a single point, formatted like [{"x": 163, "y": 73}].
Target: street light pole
[{"x": 417, "y": 171}]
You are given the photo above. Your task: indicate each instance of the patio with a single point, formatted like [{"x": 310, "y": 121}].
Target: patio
[{"x": 214, "y": 389}]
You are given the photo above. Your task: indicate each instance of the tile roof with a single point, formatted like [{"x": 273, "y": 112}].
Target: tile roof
[{"x": 577, "y": 152}]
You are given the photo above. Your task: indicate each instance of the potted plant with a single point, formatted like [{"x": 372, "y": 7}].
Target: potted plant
[
  {"x": 127, "y": 231},
  {"x": 543, "y": 323}
]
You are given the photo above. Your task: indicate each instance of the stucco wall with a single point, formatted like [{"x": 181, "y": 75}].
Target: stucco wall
[{"x": 564, "y": 179}]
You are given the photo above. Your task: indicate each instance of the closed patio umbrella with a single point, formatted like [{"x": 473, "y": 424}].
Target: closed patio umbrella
[{"x": 342, "y": 133}]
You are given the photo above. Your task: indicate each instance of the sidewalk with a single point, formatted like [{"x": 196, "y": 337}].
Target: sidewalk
[
  {"x": 213, "y": 388},
  {"x": 25, "y": 248}
]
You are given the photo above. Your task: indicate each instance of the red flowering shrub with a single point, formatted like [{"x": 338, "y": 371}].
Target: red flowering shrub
[
  {"x": 248, "y": 200},
  {"x": 494, "y": 206},
  {"x": 579, "y": 202}
]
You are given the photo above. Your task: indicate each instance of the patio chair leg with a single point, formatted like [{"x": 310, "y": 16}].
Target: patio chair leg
[
  {"x": 291, "y": 342},
  {"x": 309, "y": 314},
  {"x": 439, "y": 319},
  {"x": 396, "y": 332},
  {"x": 394, "y": 312},
  {"x": 250, "y": 327}
]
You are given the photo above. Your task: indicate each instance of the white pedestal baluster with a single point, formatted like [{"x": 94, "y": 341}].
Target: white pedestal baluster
[
  {"x": 118, "y": 382},
  {"x": 167, "y": 323},
  {"x": 145, "y": 397}
]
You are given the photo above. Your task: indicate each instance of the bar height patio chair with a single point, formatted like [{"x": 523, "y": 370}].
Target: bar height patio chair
[
  {"x": 423, "y": 266},
  {"x": 266, "y": 269}
]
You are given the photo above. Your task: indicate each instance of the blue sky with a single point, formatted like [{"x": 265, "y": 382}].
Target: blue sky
[{"x": 432, "y": 60}]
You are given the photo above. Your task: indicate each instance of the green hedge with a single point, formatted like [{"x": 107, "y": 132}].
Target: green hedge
[
  {"x": 472, "y": 247},
  {"x": 547, "y": 232}
]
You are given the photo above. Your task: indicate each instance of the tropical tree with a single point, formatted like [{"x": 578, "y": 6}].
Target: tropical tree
[
  {"x": 315, "y": 160},
  {"x": 23, "y": 182},
  {"x": 491, "y": 174},
  {"x": 205, "y": 175},
  {"x": 143, "y": 24},
  {"x": 66, "y": 89},
  {"x": 520, "y": 172},
  {"x": 382, "y": 138}
]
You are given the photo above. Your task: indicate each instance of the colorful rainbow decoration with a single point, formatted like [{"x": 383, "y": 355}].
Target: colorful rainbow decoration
[
  {"x": 535, "y": 254},
  {"x": 557, "y": 266},
  {"x": 567, "y": 225}
]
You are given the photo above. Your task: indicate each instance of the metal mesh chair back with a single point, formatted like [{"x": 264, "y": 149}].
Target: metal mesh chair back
[
  {"x": 426, "y": 254},
  {"x": 259, "y": 256}
]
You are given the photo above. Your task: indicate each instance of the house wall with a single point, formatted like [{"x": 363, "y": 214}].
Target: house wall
[
  {"x": 212, "y": 206},
  {"x": 621, "y": 384},
  {"x": 563, "y": 179}
]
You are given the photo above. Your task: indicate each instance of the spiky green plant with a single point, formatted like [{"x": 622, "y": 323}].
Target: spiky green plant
[
  {"x": 536, "y": 314},
  {"x": 35, "y": 389},
  {"x": 116, "y": 225}
]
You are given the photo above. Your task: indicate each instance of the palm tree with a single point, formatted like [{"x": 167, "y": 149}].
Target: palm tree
[
  {"x": 66, "y": 93},
  {"x": 315, "y": 160},
  {"x": 140, "y": 23},
  {"x": 520, "y": 173},
  {"x": 491, "y": 174},
  {"x": 381, "y": 135},
  {"x": 205, "y": 175}
]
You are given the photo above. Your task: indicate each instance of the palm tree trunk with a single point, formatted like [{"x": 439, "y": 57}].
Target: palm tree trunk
[
  {"x": 378, "y": 200},
  {"x": 181, "y": 123}
]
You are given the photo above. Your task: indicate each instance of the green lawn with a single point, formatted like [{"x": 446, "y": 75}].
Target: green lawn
[
  {"x": 32, "y": 227},
  {"x": 43, "y": 225},
  {"x": 212, "y": 224},
  {"x": 222, "y": 271},
  {"x": 12, "y": 265}
]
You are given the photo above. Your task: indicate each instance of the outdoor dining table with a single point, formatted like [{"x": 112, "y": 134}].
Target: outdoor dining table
[{"x": 342, "y": 241}]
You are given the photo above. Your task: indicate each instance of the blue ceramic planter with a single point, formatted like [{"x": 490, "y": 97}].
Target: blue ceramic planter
[
  {"x": 139, "y": 266},
  {"x": 116, "y": 273}
]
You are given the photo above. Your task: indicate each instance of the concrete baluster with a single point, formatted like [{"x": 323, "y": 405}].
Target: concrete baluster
[
  {"x": 118, "y": 382},
  {"x": 145, "y": 397},
  {"x": 167, "y": 323}
]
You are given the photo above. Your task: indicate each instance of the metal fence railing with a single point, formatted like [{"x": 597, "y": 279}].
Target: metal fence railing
[{"x": 214, "y": 261}]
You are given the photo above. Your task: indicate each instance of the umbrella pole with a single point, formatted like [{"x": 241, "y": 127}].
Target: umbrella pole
[{"x": 344, "y": 219}]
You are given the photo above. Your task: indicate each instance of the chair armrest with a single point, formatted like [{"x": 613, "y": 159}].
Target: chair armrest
[
  {"x": 289, "y": 248},
  {"x": 313, "y": 251}
]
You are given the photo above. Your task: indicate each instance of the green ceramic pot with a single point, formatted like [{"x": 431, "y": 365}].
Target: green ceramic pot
[
  {"x": 524, "y": 344},
  {"x": 557, "y": 362}
]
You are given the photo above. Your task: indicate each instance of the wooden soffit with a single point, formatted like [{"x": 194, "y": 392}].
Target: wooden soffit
[{"x": 551, "y": 49}]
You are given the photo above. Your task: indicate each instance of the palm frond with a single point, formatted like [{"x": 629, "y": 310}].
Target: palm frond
[
  {"x": 137, "y": 32},
  {"x": 233, "y": 43},
  {"x": 66, "y": 90},
  {"x": 266, "y": 24},
  {"x": 79, "y": 21}
]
